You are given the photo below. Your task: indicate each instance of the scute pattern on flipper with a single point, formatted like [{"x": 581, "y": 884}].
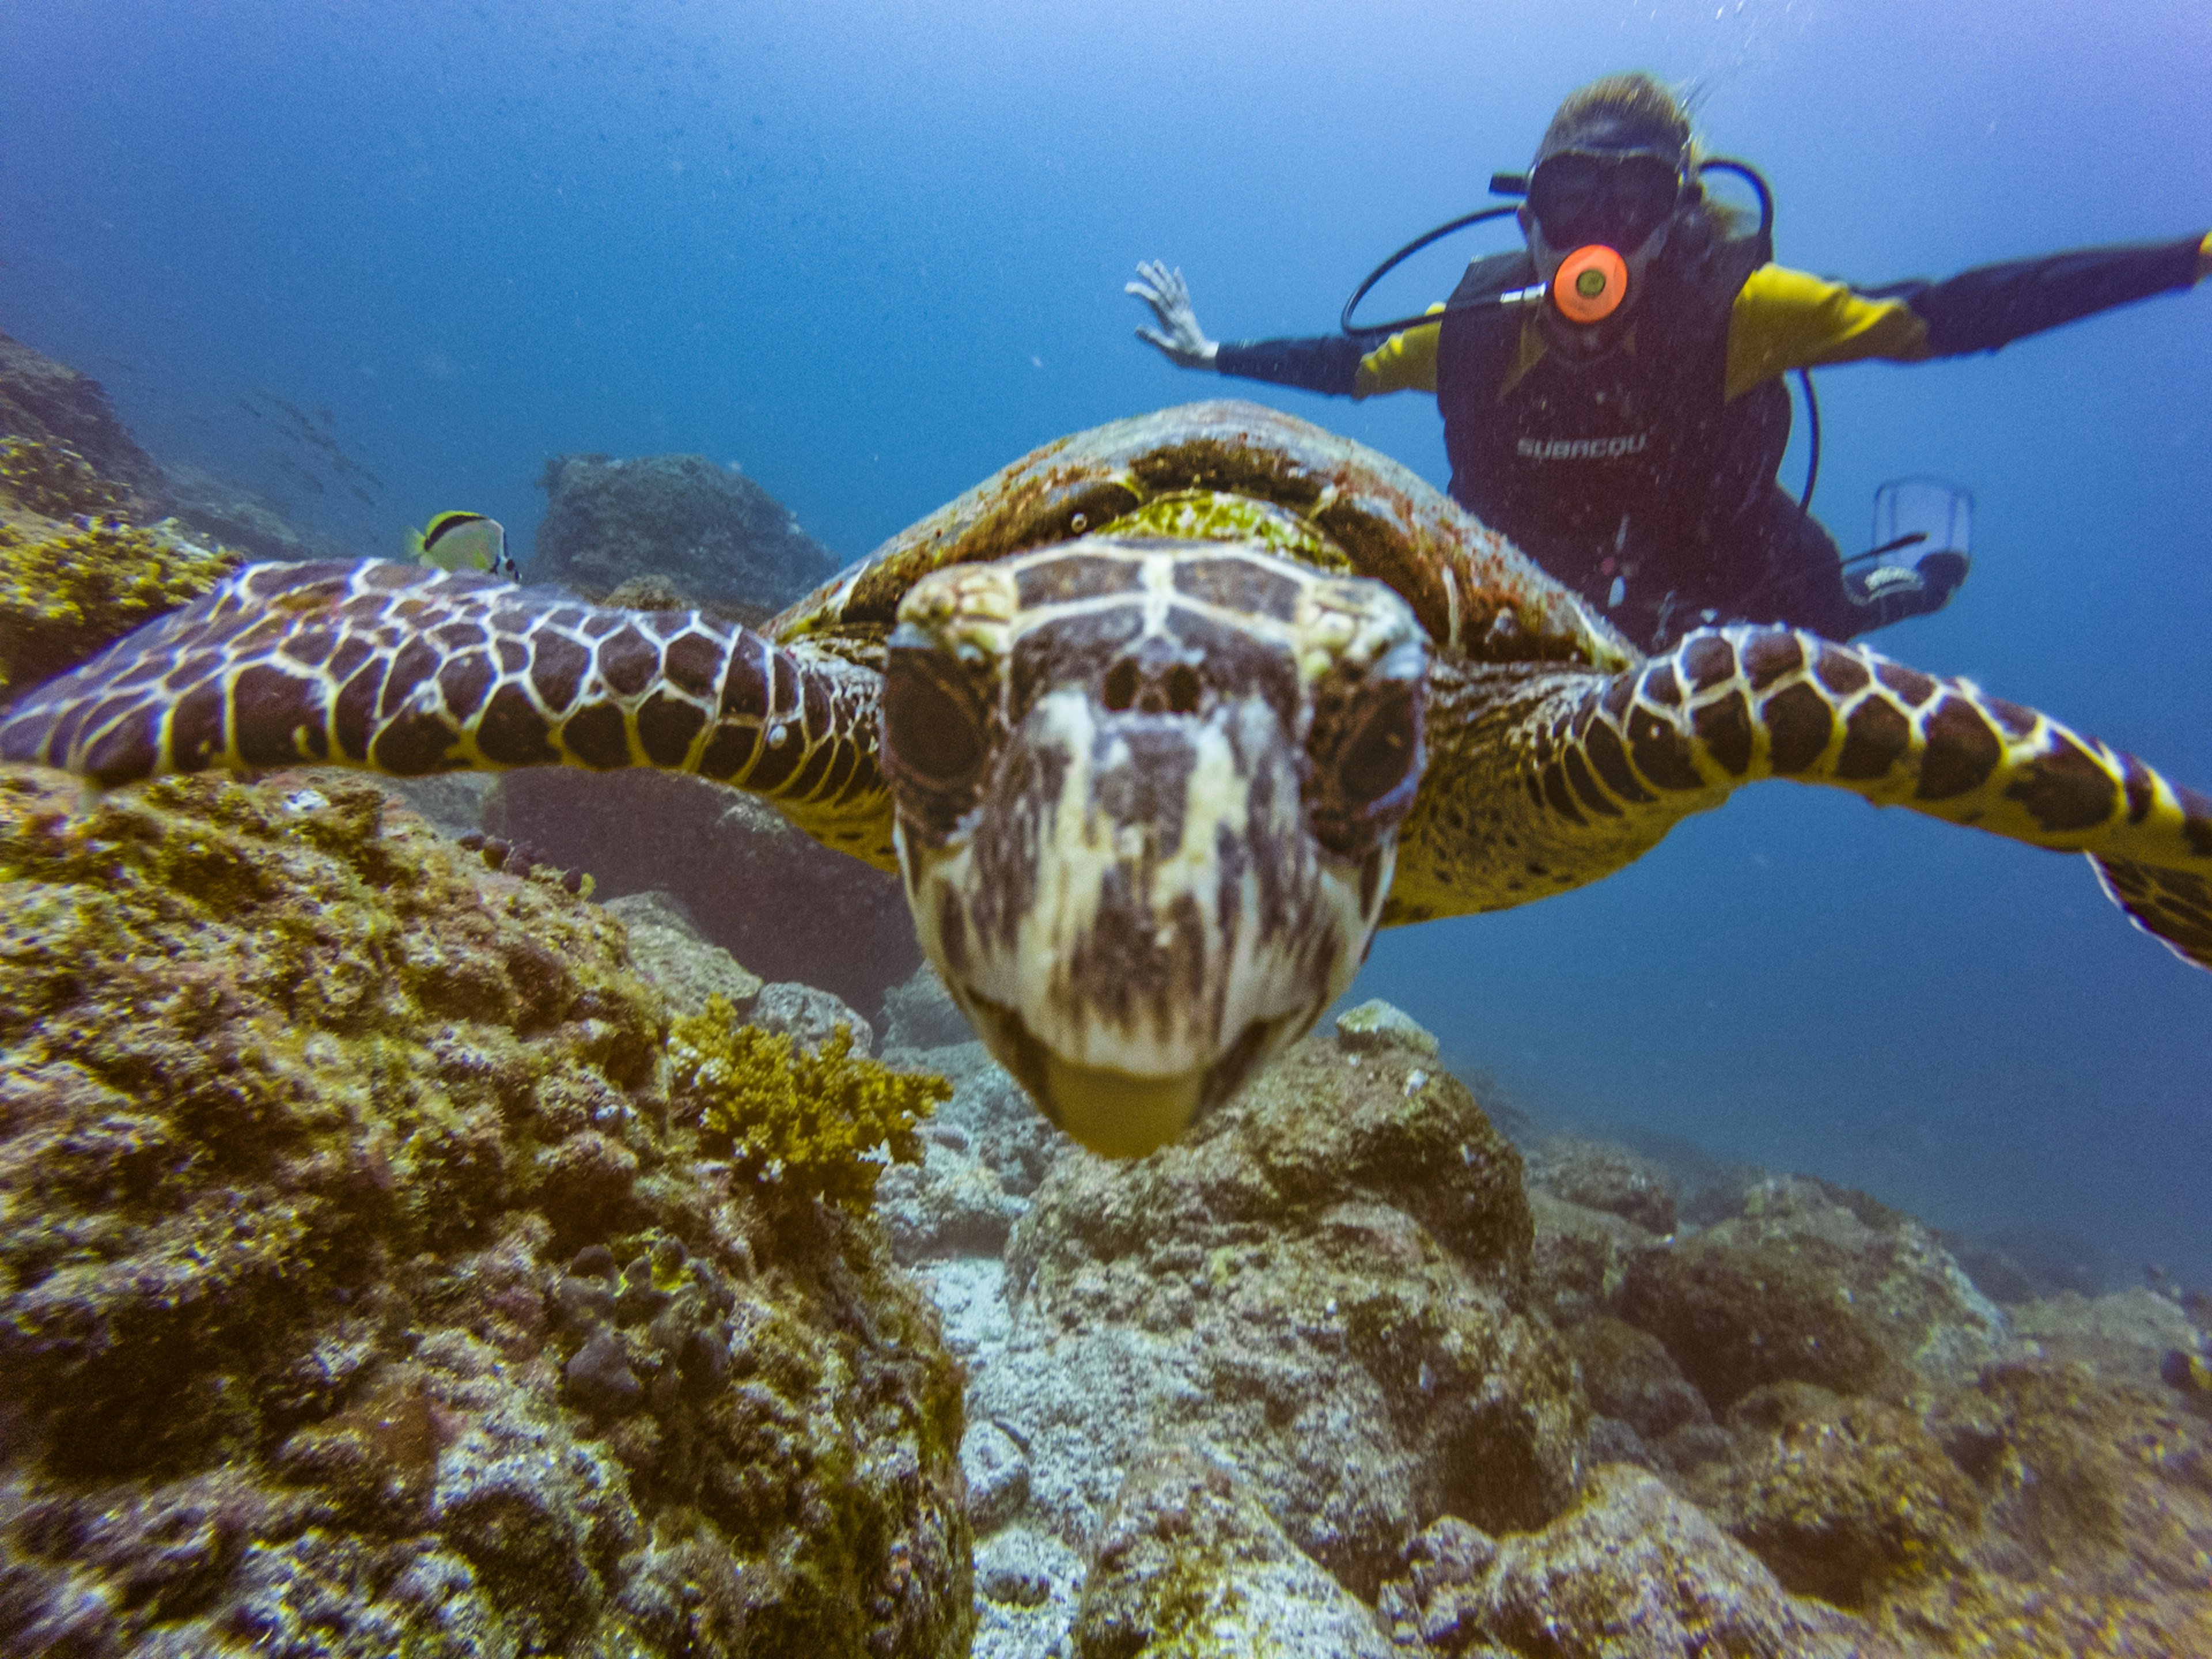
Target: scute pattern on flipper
[
  {"x": 1731, "y": 704},
  {"x": 408, "y": 670}
]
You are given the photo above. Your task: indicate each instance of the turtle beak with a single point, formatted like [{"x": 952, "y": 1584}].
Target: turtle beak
[
  {"x": 1116, "y": 1114},
  {"x": 1120, "y": 1114}
]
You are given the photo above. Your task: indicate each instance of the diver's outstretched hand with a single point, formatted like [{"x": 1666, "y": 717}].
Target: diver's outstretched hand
[{"x": 1179, "y": 338}]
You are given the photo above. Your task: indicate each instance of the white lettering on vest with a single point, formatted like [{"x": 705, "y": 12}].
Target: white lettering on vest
[{"x": 1583, "y": 449}]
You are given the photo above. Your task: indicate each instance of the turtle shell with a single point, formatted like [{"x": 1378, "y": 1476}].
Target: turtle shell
[{"x": 1225, "y": 470}]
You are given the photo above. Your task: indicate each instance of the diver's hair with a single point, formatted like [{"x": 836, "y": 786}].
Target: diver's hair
[
  {"x": 1639, "y": 103},
  {"x": 1644, "y": 109}
]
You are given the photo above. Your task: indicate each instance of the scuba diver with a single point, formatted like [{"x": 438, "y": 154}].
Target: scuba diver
[{"x": 1612, "y": 397}]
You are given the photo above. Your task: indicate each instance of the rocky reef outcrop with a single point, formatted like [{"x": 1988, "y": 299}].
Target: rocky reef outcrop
[
  {"x": 1815, "y": 1284},
  {"x": 786, "y": 906},
  {"x": 362, "y": 1292},
  {"x": 710, "y": 532},
  {"x": 370, "y": 1281},
  {"x": 1342, "y": 1375},
  {"x": 1631, "y": 1569},
  {"x": 64, "y": 454},
  {"x": 61, "y": 410},
  {"x": 1323, "y": 1282}
]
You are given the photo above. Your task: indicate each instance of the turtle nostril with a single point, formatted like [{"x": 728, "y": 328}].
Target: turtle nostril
[
  {"x": 1131, "y": 683},
  {"x": 1183, "y": 689},
  {"x": 1121, "y": 690}
]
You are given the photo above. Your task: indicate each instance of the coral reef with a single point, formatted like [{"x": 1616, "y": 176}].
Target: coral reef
[
  {"x": 709, "y": 532},
  {"x": 776, "y": 899},
  {"x": 65, "y": 594},
  {"x": 802, "y": 1125},
  {"x": 359, "y": 1293}
]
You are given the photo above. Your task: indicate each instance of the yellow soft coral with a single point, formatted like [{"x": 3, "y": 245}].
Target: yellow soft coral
[
  {"x": 809, "y": 1123},
  {"x": 64, "y": 596}
]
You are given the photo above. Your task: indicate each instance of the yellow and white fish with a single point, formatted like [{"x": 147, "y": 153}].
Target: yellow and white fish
[{"x": 464, "y": 541}]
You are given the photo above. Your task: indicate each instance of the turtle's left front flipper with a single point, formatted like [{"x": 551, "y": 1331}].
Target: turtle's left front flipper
[
  {"x": 408, "y": 670},
  {"x": 1598, "y": 768}
]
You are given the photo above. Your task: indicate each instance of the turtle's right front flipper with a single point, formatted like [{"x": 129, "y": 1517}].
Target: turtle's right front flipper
[
  {"x": 1595, "y": 768},
  {"x": 406, "y": 670},
  {"x": 1773, "y": 702},
  {"x": 1602, "y": 766}
]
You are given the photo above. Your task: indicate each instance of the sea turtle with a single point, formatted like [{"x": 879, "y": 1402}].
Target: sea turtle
[{"x": 1157, "y": 726}]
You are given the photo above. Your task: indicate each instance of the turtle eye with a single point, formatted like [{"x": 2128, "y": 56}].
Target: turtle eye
[
  {"x": 1381, "y": 749},
  {"x": 1363, "y": 782},
  {"x": 934, "y": 738}
]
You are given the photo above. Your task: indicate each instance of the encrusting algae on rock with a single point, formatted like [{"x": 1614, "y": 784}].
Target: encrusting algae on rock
[
  {"x": 54, "y": 480},
  {"x": 74, "y": 576},
  {"x": 320, "y": 1143},
  {"x": 65, "y": 594},
  {"x": 807, "y": 1124}
]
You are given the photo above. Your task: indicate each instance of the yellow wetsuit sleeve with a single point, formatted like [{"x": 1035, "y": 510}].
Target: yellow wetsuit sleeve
[
  {"x": 1407, "y": 361},
  {"x": 1786, "y": 319}
]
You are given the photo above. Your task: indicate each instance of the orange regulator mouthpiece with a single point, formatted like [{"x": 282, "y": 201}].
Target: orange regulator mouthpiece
[{"x": 1591, "y": 284}]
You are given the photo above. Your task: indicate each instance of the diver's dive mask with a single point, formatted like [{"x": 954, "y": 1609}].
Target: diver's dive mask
[
  {"x": 1613, "y": 195},
  {"x": 1607, "y": 209}
]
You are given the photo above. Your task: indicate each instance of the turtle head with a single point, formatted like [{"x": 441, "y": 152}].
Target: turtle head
[{"x": 1148, "y": 801}]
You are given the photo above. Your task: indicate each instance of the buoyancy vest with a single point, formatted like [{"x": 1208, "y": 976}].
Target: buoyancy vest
[{"x": 1631, "y": 476}]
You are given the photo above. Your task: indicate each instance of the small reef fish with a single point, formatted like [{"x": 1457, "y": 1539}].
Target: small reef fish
[{"x": 464, "y": 541}]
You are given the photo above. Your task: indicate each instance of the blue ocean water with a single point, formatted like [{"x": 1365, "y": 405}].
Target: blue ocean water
[{"x": 872, "y": 250}]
